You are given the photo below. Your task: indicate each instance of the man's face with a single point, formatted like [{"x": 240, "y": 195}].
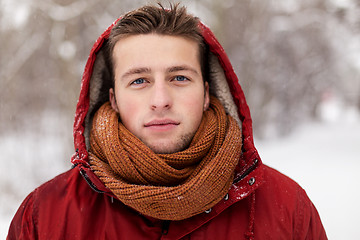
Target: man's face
[{"x": 159, "y": 91}]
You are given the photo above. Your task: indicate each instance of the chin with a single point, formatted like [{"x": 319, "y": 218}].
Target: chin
[
  {"x": 167, "y": 148},
  {"x": 170, "y": 146}
]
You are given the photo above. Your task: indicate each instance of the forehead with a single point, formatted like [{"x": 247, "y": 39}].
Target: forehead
[{"x": 143, "y": 48}]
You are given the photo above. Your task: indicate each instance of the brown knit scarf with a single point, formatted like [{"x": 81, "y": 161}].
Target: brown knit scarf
[{"x": 167, "y": 186}]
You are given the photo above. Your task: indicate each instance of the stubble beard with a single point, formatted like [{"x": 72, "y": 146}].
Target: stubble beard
[{"x": 172, "y": 146}]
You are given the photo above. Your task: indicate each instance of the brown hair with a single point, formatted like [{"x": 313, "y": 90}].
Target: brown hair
[{"x": 174, "y": 21}]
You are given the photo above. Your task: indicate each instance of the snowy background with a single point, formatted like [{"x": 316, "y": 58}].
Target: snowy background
[
  {"x": 298, "y": 63},
  {"x": 323, "y": 157}
]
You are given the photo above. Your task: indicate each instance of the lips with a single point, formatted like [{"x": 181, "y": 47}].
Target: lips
[{"x": 161, "y": 123}]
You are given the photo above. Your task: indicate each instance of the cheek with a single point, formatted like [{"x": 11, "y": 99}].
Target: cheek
[
  {"x": 194, "y": 104},
  {"x": 195, "y": 100},
  {"x": 129, "y": 113}
]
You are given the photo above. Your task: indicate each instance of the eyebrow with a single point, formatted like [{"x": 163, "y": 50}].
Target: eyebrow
[
  {"x": 182, "y": 68},
  {"x": 136, "y": 71},
  {"x": 173, "y": 69}
]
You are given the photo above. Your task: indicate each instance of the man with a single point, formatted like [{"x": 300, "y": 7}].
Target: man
[{"x": 164, "y": 147}]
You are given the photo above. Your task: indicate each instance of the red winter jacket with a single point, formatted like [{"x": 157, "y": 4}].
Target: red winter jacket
[{"x": 261, "y": 204}]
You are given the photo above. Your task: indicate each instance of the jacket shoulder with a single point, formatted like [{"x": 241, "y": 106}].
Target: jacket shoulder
[
  {"x": 60, "y": 186},
  {"x": 59, "y": 189},
  {"x": 44, "y": 203},
  {"x": 277, "y": 180},
  {"x": 287, "y": 203}
]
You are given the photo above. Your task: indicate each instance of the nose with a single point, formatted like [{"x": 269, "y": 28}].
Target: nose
[{"x": 160, "y": 96}]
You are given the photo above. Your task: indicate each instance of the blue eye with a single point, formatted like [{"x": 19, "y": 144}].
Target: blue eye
[
  {"x": 138, "y": 81},
  {"x": 181, "y": 78}
]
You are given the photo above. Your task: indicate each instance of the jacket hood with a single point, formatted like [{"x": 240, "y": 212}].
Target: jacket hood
[{"x": 224, "y": 84}]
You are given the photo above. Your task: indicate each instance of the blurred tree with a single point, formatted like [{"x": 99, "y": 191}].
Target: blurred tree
[{"x": 286, "y": 54}]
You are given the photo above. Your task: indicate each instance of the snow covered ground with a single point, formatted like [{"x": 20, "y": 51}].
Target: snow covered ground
[{"x": 324, "y": 158}]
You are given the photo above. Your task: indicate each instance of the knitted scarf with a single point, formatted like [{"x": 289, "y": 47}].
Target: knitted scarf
[{"x": 166, "y": 186}]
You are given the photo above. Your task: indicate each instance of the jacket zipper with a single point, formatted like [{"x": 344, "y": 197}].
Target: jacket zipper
[
  {"x": 89, "y": 182},
  {"x": 247, "y": 171}
]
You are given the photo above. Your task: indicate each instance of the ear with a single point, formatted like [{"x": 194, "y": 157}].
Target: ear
[
  {"x": 207, "y": 96},
  {"x": 112, "y": 100}
]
